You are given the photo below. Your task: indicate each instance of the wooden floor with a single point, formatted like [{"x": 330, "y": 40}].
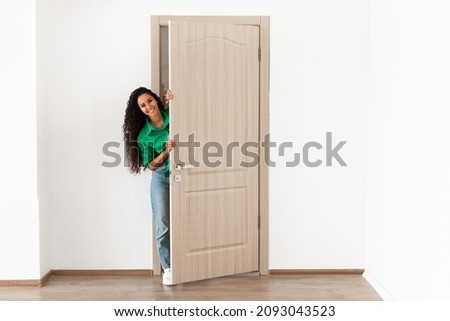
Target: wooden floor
[{"x": 245, "y": 287}]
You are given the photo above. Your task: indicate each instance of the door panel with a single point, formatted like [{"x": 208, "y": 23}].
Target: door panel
[{"x": 214, "y": 74}]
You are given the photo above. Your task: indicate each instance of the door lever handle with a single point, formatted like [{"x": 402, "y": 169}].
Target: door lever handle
[{"x": 184, "y": 166}]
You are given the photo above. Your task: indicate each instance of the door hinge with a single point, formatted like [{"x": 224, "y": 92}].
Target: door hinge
[
  {"x": 259, "y": 53},
  {"x": 259, "y": 222}
]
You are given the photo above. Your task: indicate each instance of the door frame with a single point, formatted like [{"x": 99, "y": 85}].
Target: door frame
[{"x": 263, "y": 22}]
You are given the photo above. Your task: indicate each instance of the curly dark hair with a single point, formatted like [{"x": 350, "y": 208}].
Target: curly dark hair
[{"x": 134, "y": 121}]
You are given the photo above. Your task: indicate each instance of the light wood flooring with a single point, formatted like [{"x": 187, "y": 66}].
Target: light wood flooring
[{"x": 244, "y": 287}]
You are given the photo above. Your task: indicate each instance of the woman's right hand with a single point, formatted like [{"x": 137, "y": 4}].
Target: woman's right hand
[{"x": 168, "y": 96}]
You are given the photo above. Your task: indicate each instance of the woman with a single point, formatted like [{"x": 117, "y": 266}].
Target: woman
[{"x": 147, "y": 144}]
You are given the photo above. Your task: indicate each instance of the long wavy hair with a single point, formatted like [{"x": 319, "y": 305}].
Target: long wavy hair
[{"x": 134, "y": 121}]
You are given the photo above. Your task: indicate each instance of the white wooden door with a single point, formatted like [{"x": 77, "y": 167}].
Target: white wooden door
[{"x": 214, "y": 74}]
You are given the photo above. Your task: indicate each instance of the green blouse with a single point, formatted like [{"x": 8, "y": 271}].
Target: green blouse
[{"x": 152, "y": 141}]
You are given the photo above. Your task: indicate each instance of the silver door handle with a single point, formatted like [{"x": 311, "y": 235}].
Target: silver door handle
[{"x": 184, "y": 166}]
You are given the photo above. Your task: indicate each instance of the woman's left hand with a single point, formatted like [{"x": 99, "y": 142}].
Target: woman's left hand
[
  {"x": 170, "y": 145},
  {"x": 168, "y": 96}
]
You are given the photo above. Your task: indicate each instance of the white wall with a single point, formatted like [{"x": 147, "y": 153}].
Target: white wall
[
  {"x": 408, "y": 249},
  {"x": 19, "y": 215},
  {"x": 92, "y": 54}
]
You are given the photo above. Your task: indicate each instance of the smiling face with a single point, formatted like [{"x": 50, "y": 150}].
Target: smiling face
[{"x": 149, "y": 106}]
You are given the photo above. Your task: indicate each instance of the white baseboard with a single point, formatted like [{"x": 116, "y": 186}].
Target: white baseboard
[{"x": 381, "y": 290}]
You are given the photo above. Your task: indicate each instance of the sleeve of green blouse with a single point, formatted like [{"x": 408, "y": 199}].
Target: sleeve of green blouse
[{"x": 146, "y": 152}]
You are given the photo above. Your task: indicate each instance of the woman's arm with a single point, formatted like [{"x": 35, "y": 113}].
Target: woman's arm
[{"x": 157, "y": 161}]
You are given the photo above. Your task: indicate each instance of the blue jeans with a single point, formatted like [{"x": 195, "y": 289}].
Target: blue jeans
[{"x": 159, "y": 192}]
